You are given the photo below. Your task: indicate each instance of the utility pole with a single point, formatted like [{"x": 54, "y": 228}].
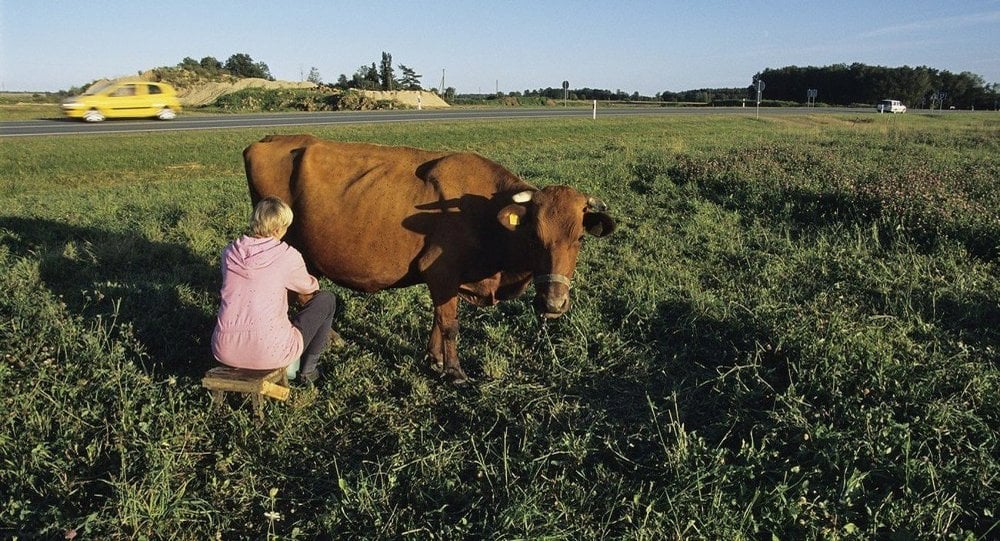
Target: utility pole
[{"x": 442, "y": 82}]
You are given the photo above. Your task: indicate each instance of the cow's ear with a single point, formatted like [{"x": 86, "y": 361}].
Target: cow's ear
[
  {"x": 598, "y": 224},
  {"x": 512, "y": 216}
]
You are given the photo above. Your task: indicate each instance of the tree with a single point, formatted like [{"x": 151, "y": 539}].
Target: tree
[
  {"x": 365, "y": 78},
  {"x": 314, "y": 76},
  {"x": 210, "y": 64},
  {"x": 410, "y": 79},
  {"x": 342, "y": 82},
  {"x": 859, "y": 83},
  {"x": 386, "y": 75},
  {"x": 241, "y": 65}
]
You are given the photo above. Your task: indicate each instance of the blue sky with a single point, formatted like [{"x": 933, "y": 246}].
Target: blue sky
[{"x": 643, "y": 46}]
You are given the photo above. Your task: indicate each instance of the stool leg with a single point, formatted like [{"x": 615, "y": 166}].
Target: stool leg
[
  {"x": 218, "y": 399},
  {"x": 258, "y": 404}
]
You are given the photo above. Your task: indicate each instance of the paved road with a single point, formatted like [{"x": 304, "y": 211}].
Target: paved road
[{"x": 271, "y": 120}]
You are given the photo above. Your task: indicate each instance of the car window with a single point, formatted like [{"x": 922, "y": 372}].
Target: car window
[
  {"x": 153, "y": 89},
  {"x": 127, "y": 90}
]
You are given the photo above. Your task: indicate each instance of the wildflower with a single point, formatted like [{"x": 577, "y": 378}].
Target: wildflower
[{"x": 272, "y": 516}]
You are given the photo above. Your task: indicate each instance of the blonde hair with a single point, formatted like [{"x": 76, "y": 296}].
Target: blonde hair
[{"x": 270, "y": 216}]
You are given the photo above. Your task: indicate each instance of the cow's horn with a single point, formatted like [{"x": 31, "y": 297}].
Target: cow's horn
[
  {"x": 523, "y": 197},
  {"x": 596, "y": 205}
]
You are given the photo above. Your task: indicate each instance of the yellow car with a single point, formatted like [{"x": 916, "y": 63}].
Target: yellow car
[{"x": 136, "y": 99}]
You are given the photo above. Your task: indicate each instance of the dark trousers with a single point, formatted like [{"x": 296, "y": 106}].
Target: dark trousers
[{"x": 314, "y": 321}]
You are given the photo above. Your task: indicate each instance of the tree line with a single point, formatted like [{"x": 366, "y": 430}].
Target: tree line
[
  {"x": 842, "y": 84},
  {"x": 377, "y": 76},
  {"x": 239, "y": 65},
  {"x": 703, "y": 95},
  {"x": 838, "y": 84},
  {"x": 381, "y": 76}
]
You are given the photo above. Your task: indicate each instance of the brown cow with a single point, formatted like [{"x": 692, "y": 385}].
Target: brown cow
[{"x": 372, "y": 217}]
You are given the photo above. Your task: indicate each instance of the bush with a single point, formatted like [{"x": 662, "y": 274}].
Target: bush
[
  {"x": 298, "y": 99},
  {"x": 272, "y": 100}
]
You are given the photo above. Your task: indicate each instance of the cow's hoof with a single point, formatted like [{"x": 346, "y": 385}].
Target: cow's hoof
[
  {"x": 458, "y": 377},
  {"x": 437, "y": 367}
]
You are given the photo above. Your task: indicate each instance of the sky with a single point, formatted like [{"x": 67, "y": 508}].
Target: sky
[{"x": 485, "y": 46}]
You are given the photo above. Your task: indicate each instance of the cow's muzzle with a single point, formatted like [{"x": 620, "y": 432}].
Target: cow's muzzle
[{"x": 552, "y": 295}]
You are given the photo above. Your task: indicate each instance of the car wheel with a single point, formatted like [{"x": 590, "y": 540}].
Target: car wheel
[
  {"x": 166, "y": 114},
  {"x": 93, "y": 115}
]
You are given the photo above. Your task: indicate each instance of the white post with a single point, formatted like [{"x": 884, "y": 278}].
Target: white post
[
  {"x": 595, "y": 110},
  {"x": 419, "y": 102}
]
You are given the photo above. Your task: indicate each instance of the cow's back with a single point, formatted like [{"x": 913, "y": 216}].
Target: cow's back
[{"x": 364, "y": 213}]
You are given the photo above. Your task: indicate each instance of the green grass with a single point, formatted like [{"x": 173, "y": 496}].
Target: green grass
[{"x": 792, "y": 335}]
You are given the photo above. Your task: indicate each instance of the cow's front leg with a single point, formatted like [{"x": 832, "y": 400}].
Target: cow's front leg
[
  {"x": 443, "y": 345},
  {"x": 435, "y": 349},
  {"x": 440, "y": 270}
]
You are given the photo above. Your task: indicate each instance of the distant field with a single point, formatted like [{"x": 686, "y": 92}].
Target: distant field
[
  {"x": 794, "y": 334},
  {"x": 29, "y": 111}
]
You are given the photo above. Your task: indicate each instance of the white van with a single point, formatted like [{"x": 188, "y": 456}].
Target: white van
[{"x": 890, "y": 106}]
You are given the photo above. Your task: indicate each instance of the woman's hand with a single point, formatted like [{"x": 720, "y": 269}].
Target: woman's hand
[{"x": 294, "y": 297}]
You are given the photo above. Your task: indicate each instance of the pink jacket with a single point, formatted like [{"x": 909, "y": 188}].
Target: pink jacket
[{"x": 252, "y": 329}]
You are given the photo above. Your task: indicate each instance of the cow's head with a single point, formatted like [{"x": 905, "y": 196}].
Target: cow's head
[{"x": 548, "y": 226}]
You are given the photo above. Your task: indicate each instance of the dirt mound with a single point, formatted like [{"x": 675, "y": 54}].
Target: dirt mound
[
  {"x": 206, "y": 93},
  {"x": 197, "y": 94},
  {"x": 410, "y": 98}
]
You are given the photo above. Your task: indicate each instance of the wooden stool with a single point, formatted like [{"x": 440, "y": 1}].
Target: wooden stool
[{"x": 256, "y": 383}]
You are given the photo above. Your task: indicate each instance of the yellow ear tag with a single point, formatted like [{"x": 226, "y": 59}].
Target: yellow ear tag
[{"x": 512, "y": 218}]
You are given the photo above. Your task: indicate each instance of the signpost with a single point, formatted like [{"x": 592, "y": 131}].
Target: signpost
[
  {"x": 811, "y": 97},
  {"x": 565, "y": 86},
  {"x": 760, "y": 91}
]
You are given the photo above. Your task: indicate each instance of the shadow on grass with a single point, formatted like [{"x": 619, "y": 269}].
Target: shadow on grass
[
  {"x": 971, "y": 317},
  {"x": 154, "y": 287},
  {"x": 809, "y": 209},
  {"x": 720, "y": 377}
]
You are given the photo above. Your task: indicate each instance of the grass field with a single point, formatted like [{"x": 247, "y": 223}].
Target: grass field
[{"x": 794, "y": 334}]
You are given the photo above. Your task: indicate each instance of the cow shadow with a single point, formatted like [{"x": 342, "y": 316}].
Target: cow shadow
[
  {"x": 161, "y": 291},
  {"x": 716, "y": 377}
]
